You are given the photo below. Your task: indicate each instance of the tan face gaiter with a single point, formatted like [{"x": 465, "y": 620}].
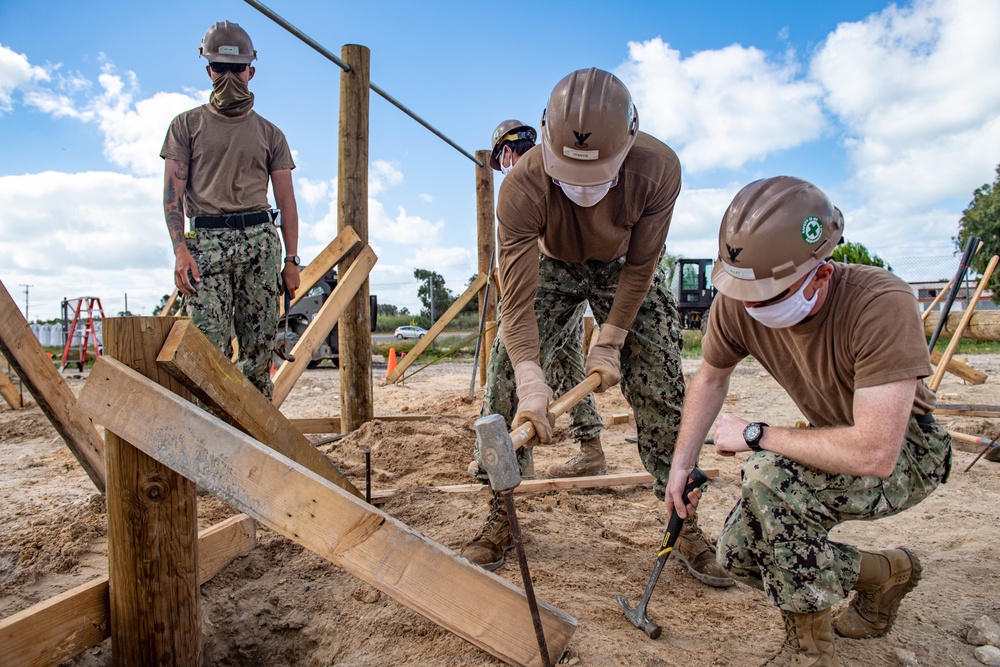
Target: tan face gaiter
[{"x": 230, "y": 95}]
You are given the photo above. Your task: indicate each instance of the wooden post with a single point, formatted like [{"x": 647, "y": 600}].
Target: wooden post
[
  {"x": 485, "y": 221},
  {"x": 152, "y": 526},
  {"x": 352, "y": 202}
]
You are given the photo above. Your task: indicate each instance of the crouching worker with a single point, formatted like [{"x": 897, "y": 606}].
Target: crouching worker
[{"x": 847, "y": 344}]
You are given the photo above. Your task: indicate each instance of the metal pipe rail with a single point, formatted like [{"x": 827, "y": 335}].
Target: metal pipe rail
[{"x": 323, "y": 51}]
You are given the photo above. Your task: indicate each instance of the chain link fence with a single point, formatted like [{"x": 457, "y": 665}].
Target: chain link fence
[{"x": 930, "y": 274}]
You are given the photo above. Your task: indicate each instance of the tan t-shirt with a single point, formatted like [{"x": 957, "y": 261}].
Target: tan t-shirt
[
  {"x": 867, "y": 333},
  {"x": 631, "y": 222},
  {"x": 229, "y": 160}
]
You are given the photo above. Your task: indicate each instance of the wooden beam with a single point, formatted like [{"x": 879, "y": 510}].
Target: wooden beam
[
  {"x": 959, "y": 369},
  {"x": 422, "y": 344},
  {"x": 968, "y": 410},
  {"x": 983, "y": 325},
  {"x": 345, "y": 241},
  {"x": 486, "y": 247},
  {"x": 191, "y": 358},
  {"x": 169, "y": 305},
  {"x": 332, "y": 424},
  {"x": 354, "y": 335},
  {"x": 535, "y": 485},
  {"x": 53, "y": 395},
  {"x": 317, "y": 331},
  {"x": 152, "y": 524},
  {"x": 64, "y": 626},
  {"x": 9, "y": 392},
  {"x": 430, "y": 579}
]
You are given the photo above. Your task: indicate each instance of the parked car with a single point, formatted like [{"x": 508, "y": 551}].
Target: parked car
[{"x": 409, "y": 332}]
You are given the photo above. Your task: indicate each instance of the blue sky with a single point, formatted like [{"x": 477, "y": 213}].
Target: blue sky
[{"x": 893, "y": 109}]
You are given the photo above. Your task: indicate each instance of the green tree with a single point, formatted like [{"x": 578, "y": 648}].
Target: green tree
[
  {"x": 982, "y": 219},
  {"x": 669, "y": 265},
  {"x": 432, "y": 282},
  {"x": 856, "y": 253}
]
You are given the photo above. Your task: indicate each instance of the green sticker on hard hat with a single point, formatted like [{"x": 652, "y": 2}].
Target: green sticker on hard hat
[{"x": 812, "y": 229}]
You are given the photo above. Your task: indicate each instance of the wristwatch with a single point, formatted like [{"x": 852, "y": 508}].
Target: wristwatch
[
  {"x": 294, "y": 259},
  {"x": 753, "y": 433}
]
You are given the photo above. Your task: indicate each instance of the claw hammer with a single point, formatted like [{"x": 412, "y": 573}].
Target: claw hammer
[{"x": 638, "y": 615}]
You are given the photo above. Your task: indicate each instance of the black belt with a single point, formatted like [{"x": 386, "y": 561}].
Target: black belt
[{"x": 233, "y": 220}]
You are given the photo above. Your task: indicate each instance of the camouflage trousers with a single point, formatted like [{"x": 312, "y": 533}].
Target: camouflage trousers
[
  {"x": 776, "y": 539},
  {"x": 238, "y": 294},
  {"x": 652, "y": 380}
]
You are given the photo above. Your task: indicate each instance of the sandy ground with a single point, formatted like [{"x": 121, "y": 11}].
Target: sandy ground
[{"x": 283, "y": 605}]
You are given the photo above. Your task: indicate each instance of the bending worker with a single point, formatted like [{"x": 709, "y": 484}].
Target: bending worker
[
  {"x": 847, "y": 344},
  {"x": 218, "y": 160},
  {"x": 511, "y": 140},
  {"x": 585, "y": 219}
]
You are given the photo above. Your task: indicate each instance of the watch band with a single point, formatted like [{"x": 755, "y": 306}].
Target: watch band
[{"x": 294, "y": 259}]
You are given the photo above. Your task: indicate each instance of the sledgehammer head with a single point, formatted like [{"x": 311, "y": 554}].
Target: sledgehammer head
[{"x": 496, "y": 453}]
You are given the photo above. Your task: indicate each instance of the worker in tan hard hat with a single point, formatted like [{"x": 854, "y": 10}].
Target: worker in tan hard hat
[
  {"x": 847, "y": 343},
  {"x": 511, "y": 140},
  {"x": 585, "y": 219},
  {"x": 220, "y": 158}
]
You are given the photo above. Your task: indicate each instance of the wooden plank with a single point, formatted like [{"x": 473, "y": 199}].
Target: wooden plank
[
  {"x": 450, "y": 314},
  {"x": 28, "y": 359},
  {"x": 332, "y": 424},
  {"x": 169, "y": 305},
  {"x": 66, "y": 625},
  {"x": 328, "y": 257},
  {"x": 983, "y": 325},
  {"x": 191, "y": 358},
  {"x": 317, "y": 331},
  {"x": 968, "y": 410},
  {"x": 152, "y": 524},
  {"x": 10, "y": 392},
  {"x": 620, "y": 418},
  {"x": 419, "y": 573},
  {"x": 535, "y": 485},
  {"x": 960, "y": 369}
]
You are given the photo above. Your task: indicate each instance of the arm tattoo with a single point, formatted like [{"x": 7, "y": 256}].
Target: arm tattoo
[{"x": 173, "y": 208}]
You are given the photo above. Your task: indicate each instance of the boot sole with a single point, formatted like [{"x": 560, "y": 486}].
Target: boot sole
[
  {"x": 715, "y": 582},
  {"x": 497, "y": 564},
  {"x": 603, "y": 471}
]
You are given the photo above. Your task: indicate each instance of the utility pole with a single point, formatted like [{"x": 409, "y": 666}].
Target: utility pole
[{"x": 26, "y": 301}]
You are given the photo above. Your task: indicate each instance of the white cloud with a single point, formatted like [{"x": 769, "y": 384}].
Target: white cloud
[
  {"x": 919, "y": 91},
  {"x": 381, "y": 175},
  {"x": 721, "y": 108},
  {"x": 312, "y": 193},
  {"x": 16, "y": 72},
  {"x": 426, "y": 198},
  {"x": 404, "y": 229}
]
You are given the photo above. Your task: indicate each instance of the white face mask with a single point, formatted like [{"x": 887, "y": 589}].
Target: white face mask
[
  {"x": 506, "y": 152},
  {"x": 586, "y": 195},
  {"x": 787, "y": 312}
]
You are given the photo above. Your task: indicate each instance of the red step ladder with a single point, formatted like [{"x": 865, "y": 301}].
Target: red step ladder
[{"x": 80, "y": 333}]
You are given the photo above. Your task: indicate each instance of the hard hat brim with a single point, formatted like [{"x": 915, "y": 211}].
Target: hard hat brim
[
  {"x": 749, "y": 289},
  {"x": 584, "y": 173}
]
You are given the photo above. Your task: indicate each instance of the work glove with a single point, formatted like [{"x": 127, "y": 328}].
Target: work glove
[
  {"x": 603, "y": 358},
  {"x": 533, "y": 396}
]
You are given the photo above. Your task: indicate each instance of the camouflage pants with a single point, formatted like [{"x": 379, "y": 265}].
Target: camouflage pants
[
  {"x": 776, "y": 539},
  {"x": 652, "y": 381},
  {"x": 238, "y": 293}
]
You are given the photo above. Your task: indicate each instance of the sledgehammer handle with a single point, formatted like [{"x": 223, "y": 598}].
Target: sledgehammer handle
[{"x": 522, "y": 434}]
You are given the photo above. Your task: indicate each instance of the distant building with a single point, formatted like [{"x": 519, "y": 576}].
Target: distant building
[{"x": 926, "y": 293}]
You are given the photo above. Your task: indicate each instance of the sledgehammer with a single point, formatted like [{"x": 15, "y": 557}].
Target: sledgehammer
[
  {"x": 638, "y": 615},
  {"x": 496, "y": 449}
]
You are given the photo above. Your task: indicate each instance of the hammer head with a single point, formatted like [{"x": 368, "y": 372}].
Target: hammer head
[
  {"x": 638, "y": 617},
  {"x": 496, "y": 453}
]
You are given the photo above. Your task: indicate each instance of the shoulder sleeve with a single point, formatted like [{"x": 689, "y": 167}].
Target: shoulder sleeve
[
  {"x": 281, "y": 154},
  {"x": 888, "y": 340},
  {"x": 177, "y": 144},
  {"x": 722, "y": 345}
]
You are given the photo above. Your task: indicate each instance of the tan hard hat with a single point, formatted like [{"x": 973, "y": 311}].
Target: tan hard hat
[
  {"x": 775, "y": 231},
  {"x": 509, "y": 130},
  {"x": 227, "y": 42},
  {"x": 588, "y": 127}
]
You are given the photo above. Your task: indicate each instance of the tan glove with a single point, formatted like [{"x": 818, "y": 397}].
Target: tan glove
[
  {"x": 604, "y": 357},
  {"x": 533, "y": 396}
]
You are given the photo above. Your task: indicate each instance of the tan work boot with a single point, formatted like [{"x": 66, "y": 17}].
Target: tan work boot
[
  {"x": 886, "y": 576},
  {"x": 590, "y": 461},
  {"x": 808, "y": 641},
  {"x": 695, "y": 551},
  {"x": 488, "y": 548}
]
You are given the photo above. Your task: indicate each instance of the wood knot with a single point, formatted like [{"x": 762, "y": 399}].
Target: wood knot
[{"x": 155, "y": 490}]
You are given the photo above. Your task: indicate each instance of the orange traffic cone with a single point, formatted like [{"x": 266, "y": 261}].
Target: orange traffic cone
[{"x": 392, "y": 363}]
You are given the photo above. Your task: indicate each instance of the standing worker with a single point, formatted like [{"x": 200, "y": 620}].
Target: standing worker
[
  {"x": 585, "y": 219},
  {"x": 219, "y": 158},
  {"x": 847, "y": 344},
  {"x": 511, "y": 140}
]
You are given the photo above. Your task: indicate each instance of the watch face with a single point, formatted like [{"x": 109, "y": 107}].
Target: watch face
[{"x": 752, "y": 432}]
